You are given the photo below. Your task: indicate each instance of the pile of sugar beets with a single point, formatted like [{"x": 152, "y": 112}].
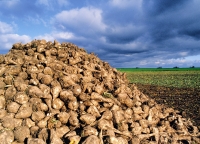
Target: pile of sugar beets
[{"x": 58, "y": 93}]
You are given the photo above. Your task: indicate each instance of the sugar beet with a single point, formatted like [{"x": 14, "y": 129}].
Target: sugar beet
[{"x": 58, "y": 93}]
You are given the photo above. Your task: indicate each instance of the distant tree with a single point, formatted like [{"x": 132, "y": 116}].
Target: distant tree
[
  {"x": 137, "y": 67},
  {"x": 192, "y": 67},
  {"x": 175, "y": 67},
  {"x": 159, "y": 67}
]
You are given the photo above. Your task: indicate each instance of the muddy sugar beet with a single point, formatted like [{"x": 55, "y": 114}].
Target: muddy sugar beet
[{"x": 58, "y": 93}]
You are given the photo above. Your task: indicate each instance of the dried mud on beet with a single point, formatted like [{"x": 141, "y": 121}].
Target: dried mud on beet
[
  {"x": 59, "y": 94},
  {"x": 186, "y": 100}
]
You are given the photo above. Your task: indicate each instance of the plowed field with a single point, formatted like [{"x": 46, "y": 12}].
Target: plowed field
[{"x": 186, "y": 100}]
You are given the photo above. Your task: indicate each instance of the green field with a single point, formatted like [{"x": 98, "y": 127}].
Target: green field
[{"x": 168, "y": 77}]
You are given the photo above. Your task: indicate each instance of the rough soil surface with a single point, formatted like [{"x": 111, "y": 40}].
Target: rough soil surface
[{"x": 186, "y": 100}]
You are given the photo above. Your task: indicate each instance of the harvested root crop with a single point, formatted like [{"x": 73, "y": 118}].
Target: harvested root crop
[{"x": 53, "y": 92}]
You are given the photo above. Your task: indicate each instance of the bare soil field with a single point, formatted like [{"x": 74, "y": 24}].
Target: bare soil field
[{"x": 185, "y": 100}]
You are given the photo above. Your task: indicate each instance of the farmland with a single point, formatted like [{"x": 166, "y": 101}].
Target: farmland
[
  {"x": 178, "y": 88},
  {"x": 181, "y": 77}
]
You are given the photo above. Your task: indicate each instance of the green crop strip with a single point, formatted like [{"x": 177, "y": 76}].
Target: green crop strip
[{"x": 181, "y": 78}]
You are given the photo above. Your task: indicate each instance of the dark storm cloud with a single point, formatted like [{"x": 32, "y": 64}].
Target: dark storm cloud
[
  {"x": 121, "y": 38},
  {"x": 156, "y": 19},
  {"x": 163, "y": 19},
  {"x": 116, "y": 16},
  {"x": 122, "y": 50},
  {"x": 156, "y": 7},
  {"x": 195, "y": 33},
  {"x": 159, "y": 31},
  {"x": 123, "y": 35}
]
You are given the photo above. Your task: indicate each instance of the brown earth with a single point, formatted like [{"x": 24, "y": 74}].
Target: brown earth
[{"x": 185, "y": 100}]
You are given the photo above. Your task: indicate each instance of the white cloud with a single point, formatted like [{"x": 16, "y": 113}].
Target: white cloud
[
  {"x": 124, "y": 34},
  {"x": 47, "y": 37},
  {"x": 56, "y": 35},
  {"x": 5, "y": 28},
  {"x": 84, "y": 20},
  {"x": 126, "y": 3},
  {"x": 8, "y": 37},
  {"x": 183, "y": 54},
  {"x": 7, "y": 40}
]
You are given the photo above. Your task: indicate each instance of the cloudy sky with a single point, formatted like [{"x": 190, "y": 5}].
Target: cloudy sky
[{"x": 125, "y": 33}]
